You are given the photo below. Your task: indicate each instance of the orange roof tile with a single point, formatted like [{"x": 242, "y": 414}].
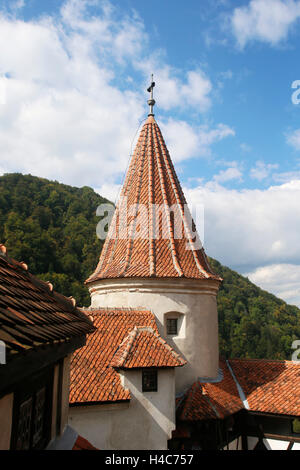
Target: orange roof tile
[
  {"x": 143, "y": 347},
  {"x": 32, "y": 314},
  {"x": 151, "y": 179},
  {"x": 212, "y": 400},
  {"x": 269, "y": 386},
  {"x": 93, "y": 379},
  {"x": 265, "y": 386}
]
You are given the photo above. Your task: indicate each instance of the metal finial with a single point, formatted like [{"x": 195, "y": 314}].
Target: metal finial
[{"x": 151, "y": 102}]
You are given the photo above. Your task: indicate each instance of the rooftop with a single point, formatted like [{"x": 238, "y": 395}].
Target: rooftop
[
  {"x": 125, "y": 338},
  {"x": 144, "y": 347},
  {"x": 260, "y": 385},
  {"x": 153, "y": 241},
  {"x": 32, "y": 314}
]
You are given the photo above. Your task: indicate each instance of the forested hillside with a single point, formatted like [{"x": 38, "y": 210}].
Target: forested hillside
[
  {"x": 52, "y": 227},
  {"x": 252, "y": 322}
]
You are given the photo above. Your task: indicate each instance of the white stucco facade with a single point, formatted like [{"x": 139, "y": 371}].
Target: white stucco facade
[
  {"x": 146, "y": 422},
  {"x": 192, "y": 301}
]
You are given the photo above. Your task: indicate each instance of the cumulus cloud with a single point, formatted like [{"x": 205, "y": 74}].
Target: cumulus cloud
[
  {"x": 190, "y": 90},
  {"x": 269, "y": 21},
  {"x": 248, "y": 228},
  {"x": 186, "y": 141},
  {"x": 109, "y": 191},
  {"x": 69, "y": 108},
  {"x": 255, "y": 232},
  {"x": 232, "y": 173},
  {"x": 283, "y": 280}
]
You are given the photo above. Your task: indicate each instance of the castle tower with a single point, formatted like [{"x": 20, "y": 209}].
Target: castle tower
[{"x": 153, "y": 258}]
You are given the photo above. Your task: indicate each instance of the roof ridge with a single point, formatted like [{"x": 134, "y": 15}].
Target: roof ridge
[
  {"x": 206, "y": 397},
  {"x": 152, "y": 270},
  {"x": 166, "y": 203},
  {"x": 238, "y": 386},
  {"x": 44, "y": 285},
  {"x": 129, "y": 340},
  {"x": 189, "y": 396},
  {"x": 277, "y": 361},
  {"x": 118, "y": 309}
]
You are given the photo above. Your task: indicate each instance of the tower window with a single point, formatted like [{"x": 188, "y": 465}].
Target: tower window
[
  {"x": 172, "y": 326},
  {"x": 149, "y": 379}
]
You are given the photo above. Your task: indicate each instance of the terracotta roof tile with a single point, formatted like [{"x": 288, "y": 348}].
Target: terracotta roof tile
[
  {"x": 212, "y": 400},
  {"x": 143, "y": 347},
  {"x": 32, "y": 314},
  {"x": 151, "y": 179},
  {"x": 93, "y": 379},
  {"x": 268, "y": 387}
]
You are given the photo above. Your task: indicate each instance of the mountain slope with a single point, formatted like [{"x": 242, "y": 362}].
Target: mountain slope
[
  {"x": 52, "y": 227},
  {"x": 252, "y": 322}
]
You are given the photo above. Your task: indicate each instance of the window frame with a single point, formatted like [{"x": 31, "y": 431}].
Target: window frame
[
  {"x": 168, "y": 321},
  {"x": 153, "y": 387},
  {"x": 30, "y": 391}
]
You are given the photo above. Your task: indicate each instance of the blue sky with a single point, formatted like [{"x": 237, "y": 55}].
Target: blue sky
[{"x": 73, "y": 78}]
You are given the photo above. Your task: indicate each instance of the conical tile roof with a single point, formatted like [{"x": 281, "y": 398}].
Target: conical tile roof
[{"x": 152, "y": 241}]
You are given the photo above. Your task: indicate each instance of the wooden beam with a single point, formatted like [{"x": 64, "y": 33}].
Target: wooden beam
[{"x": 27, "y": 364}]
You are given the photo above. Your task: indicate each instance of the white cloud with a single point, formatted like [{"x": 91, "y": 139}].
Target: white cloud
[
  {"x": 286, "y": 177},
  {"x": 246, "y": 229},
  {"x": 293, "y": 139},
  {"x": 262, "y": 170},
  {"x": 71, "y": 108},
  {"x": 282, "y": 280},
  {"x": 185, "y": 141},
  {"x": 109, "y": 191},
  {"x": 193, "y": 90},
  {"x": 17, "y": 5},
  {"x": 268, "y": 21},
  {"x": 230, "y": 174}
]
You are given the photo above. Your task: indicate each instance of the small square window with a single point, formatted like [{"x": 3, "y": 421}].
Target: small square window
[
  {"x": 172, "y": 327},
  {"x": 149, "y": 378}
]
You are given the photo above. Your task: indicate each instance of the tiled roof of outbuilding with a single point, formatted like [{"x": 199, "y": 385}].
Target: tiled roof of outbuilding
[
  {"x": 32, "y": 314},
  {"x": 269, "y": 386},
  {"x": 265, "y": 386},
  {"x": 93, "y": 379},
  {"x": 149, "y": 246},
  {"x": 212, "y": 400}
]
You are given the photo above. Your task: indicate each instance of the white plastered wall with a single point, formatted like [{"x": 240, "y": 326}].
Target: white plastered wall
[
  {"x": 146, "y": 422},
  {"x": 194, "y": 299}
]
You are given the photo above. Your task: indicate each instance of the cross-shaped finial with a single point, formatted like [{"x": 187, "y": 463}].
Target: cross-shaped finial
[{"x": 151, "y": 102}]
